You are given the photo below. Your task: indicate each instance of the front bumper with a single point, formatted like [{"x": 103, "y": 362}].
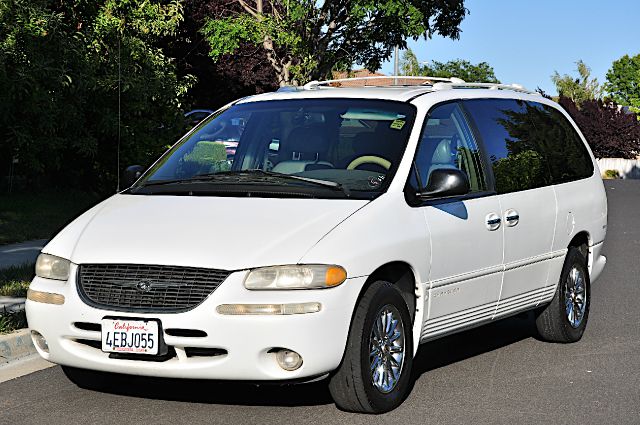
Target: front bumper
[{"x": 320, "y": 338}]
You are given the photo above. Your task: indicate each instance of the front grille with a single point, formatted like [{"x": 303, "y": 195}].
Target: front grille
[{"x": 146, "y": 288}]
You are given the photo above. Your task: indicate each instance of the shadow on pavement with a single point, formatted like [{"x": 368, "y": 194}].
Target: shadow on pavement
[{"x": 433, "y": 355}]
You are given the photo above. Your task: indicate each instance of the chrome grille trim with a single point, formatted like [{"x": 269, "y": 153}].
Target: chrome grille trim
[{"x": 146, "y": 288}]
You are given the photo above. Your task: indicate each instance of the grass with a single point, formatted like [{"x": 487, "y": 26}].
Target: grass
[
  {"x": 40, "y": 216},
  {"x": 11, "y": 321},
  {"x": 14, "y": 282}
]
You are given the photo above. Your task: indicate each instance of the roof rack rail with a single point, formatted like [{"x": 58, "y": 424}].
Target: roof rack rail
[
  {"x": 490, "y": 86},
  {"x": 426, "y": 80}
]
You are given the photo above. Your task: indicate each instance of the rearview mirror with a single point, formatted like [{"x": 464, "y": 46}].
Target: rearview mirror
[
  {"x": 446, "y": 182},
  {"x": 131, "y": 174}
]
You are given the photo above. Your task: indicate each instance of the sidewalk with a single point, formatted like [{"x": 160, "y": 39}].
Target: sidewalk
[{"x": 20, "y": 253}]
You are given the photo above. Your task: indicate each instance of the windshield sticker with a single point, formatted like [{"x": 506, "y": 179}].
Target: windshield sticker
[{"x": 397, "y": 124}]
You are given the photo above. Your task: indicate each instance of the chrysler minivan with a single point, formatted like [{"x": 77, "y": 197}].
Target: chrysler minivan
[{"x": 351, "y": 225}]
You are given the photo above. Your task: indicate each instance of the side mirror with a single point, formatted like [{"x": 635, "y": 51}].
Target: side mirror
[
  {"x": 446, "y": 182},
  {"x": 130, "y": 175}
]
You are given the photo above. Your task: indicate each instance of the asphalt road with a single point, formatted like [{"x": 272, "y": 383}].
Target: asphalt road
[{"x": 496, "y": 374}]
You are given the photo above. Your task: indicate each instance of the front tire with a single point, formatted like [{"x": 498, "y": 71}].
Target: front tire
[
  {"x": 565, "y": 318},
  {"x": 375, "y": 373}
]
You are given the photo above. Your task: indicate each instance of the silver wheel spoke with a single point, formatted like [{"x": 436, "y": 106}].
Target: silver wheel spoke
[
  {"x": 575, "y": 297},
  {"x": 386, "y": 349}
]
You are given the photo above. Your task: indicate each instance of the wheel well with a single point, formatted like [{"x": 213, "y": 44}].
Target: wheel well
[
  {"x": 581, "y": 241},
  {"x": 401, "y": 275}
]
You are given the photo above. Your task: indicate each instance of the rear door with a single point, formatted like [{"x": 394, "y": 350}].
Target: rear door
[
  {"x": 512, "y": 132},
  {"x": 466, "y": 232}
]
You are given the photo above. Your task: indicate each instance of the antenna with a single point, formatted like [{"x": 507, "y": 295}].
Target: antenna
[{"x": 118, "y": 148}]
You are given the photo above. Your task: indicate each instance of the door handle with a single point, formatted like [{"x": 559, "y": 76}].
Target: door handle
[
  {"x": 511, "y": 217},
  {"x": 493, "y": 221}
]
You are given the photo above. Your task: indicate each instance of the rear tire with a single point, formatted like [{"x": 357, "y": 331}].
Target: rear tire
[
  {"x": 564, "y": 319},
  {"x": 375, "y": 373}
]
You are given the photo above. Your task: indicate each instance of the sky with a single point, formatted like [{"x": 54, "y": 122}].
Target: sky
[{"x": 525, "y": 41}]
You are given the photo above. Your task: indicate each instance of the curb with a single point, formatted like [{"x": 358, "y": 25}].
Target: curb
[{"x": 16, "y": 345}]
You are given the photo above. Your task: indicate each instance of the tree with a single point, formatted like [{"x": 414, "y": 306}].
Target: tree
[
  {"x": 623, "y": 81},
  {"x": 578, "y": 89},
  {"x": 77, "y": 76},
  {"x": 480, "y": 73},
  {"x": 611, "y": 132},
  {"x": 409, "y": 64},
  {"x": 245, "y": 72},
  {"x": 305, "y": 39}
]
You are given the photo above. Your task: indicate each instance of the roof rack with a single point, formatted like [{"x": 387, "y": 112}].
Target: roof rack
[
  {"x": 426, "y": 80},
  {"x": 490, "y": 86}
]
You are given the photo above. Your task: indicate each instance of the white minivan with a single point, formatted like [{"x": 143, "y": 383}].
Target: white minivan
[{"x": 349, "y": 225}]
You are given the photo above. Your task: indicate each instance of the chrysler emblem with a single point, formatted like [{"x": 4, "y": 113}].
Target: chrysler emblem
[{"x": 143, "y": 286}]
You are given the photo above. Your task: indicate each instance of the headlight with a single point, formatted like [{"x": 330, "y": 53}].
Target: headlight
[
  {"x": 295, "y": 277},
  {"x": 52, "y": 267}
]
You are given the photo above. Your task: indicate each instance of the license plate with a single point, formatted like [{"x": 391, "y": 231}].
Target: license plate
[{"x": 130, "y": 336}]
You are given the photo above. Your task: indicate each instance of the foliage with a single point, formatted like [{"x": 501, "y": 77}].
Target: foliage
[
  {"x": 305, "y": 40},
  {"x": 17, "y": 273},
  {"x": 480, "y": 73},
  {"x": 611, "y": 174},
  {"x": 611, "y": 132},
  {"x": 460, "y": 68},
  {"x": 26, "y": 216},
  {"x": 61, "y": 67},
  {"x": 14, "y": 288},
  {"x": 578, "y": 89},
  {"x": 409, "y": 64},
  {"x": 245, "y": 72},
  {"x": 623, "y": 81},
  {"x": 12, "y": 320},
  {"x": 519, "y": 171}
]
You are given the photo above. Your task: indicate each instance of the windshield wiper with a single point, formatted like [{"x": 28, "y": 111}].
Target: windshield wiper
[
  {"x": 319, "y": 182},
  {"x": 248, "y": 173}
]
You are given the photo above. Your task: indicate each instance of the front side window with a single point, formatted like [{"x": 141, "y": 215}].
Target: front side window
[
  {"x": 310, "y": 147},
  {"x": 448, "y": 142}
]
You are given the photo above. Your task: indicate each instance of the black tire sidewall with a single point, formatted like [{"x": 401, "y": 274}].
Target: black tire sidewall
[
  {"x": 574, "y": 259},
  {"x": 386, "y": 294}
]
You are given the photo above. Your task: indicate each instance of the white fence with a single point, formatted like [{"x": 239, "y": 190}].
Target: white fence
[{"x": 627, "y": 168}]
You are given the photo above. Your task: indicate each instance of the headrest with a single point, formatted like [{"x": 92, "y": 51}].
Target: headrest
[
  {"x": 312, "y": 139},
  {"x": 443, "y": 153}
]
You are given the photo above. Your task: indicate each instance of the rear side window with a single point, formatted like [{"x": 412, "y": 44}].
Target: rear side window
[
  {"x": 505, "y": 126},
  {"x": 448, "y": 142},
  {"x": 529, "y": 144},
  {"x": 566, "y": 154}
]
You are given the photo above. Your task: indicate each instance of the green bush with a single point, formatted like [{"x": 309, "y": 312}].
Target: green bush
[
  {"x": 611, "y": 174},
  {"x": 11, "y": 321}
]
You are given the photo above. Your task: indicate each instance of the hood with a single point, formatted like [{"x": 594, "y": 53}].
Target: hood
[{"x": 197, "y": 231}]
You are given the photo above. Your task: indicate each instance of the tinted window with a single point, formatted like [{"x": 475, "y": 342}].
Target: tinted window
[
  {"x": 505, "y": 126},
  {"x": 529, "y": 144},
  {"x": 565, "y": 153},
  {"x": 448, "y": 142}
]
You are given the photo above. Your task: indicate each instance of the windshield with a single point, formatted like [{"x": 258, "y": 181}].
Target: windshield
[{"x": 318, "y": 148}]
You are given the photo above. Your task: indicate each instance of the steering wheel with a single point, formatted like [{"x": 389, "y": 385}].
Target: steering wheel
[{"x": 369, "y": 159}]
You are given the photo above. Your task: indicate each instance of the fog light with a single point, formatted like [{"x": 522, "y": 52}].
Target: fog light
[
  {"x": 288, "y": 359},
  {"x": 39, "y": 341}
]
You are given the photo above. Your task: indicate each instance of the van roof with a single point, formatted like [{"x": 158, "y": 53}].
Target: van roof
[{"x": 399, "y": 88}]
